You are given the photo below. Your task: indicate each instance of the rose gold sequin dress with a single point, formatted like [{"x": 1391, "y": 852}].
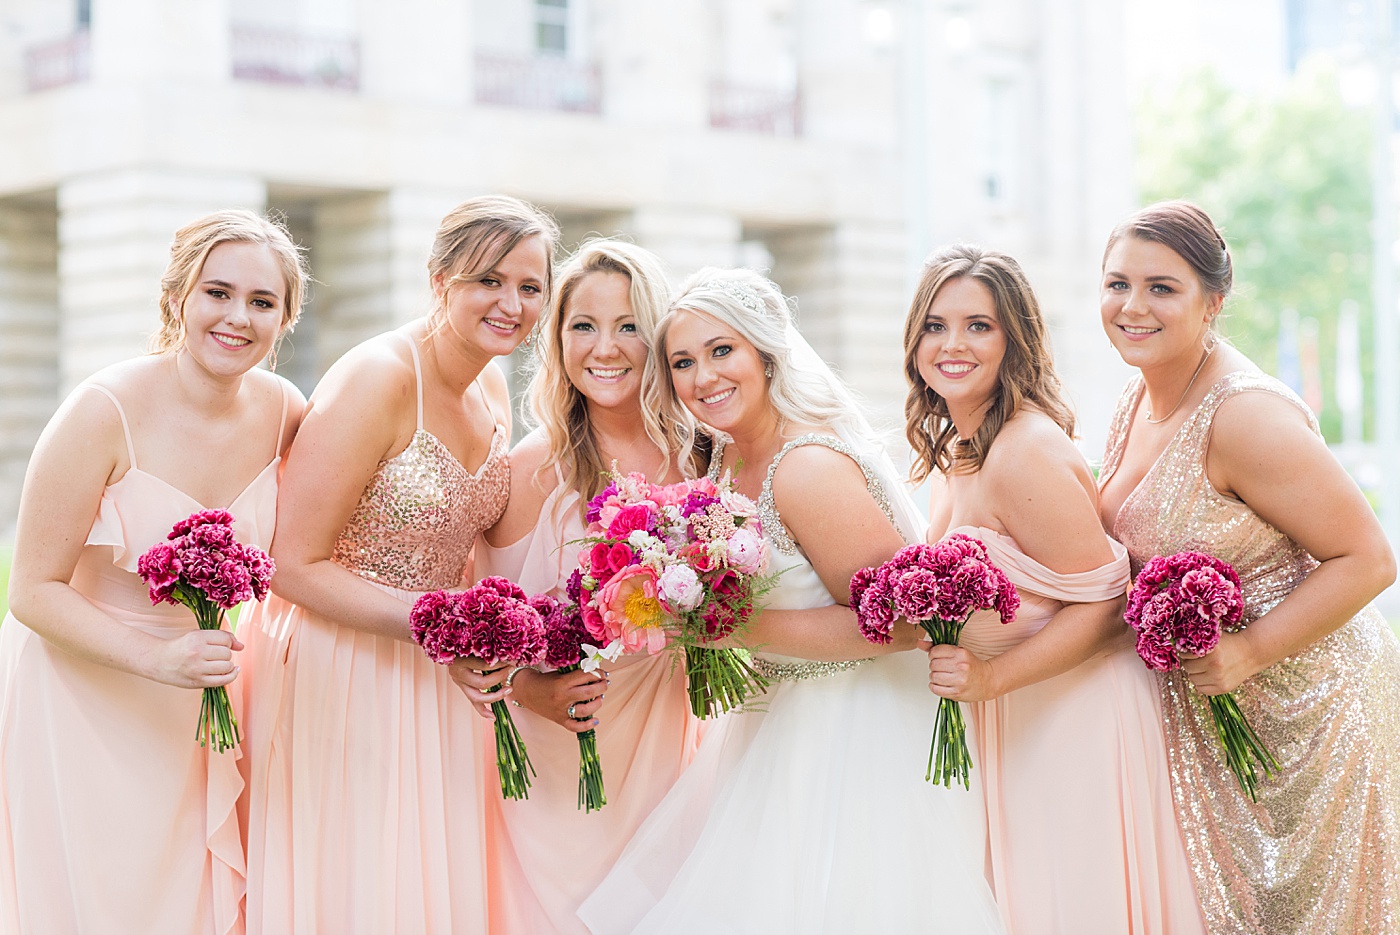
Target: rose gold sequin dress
[
  {"x": 365, "y": 801},
  {"x": 1320, "y": 852}
]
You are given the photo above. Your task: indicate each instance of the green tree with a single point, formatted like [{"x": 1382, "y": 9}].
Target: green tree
[{"x": 1288, "y": 179}]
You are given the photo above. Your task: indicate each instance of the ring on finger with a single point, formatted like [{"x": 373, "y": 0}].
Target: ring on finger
[{"x": 570, "y": 712}]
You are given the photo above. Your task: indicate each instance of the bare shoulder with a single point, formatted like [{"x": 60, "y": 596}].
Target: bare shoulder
[
  {"x": 376, "y": 374},
  {"x": 1032, "y": 448},
  {"x": 527, "y": 459},
  {"x": 1251, "y": 419}
]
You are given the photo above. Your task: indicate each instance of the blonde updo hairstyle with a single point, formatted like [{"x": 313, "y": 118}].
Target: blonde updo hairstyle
[
  {"x": 191, "y": 248},
  {"x": 1026, "y": 376},
  {"x": 756, "y": 309},
  {"x": 477, "y": 235},
  {"x": 557, "y": 405}
]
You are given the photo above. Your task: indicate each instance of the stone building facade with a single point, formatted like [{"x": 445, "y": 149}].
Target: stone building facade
[{"x": 830, "y": 141}]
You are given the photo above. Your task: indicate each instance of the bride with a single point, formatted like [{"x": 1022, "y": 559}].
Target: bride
[{"x": 806, "y": 811}]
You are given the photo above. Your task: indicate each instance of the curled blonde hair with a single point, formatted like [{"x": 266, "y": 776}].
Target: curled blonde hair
[
  {"x": 801, "y": 392},
  {"x": 476, "y": 235},
  {"x": 1026, "y": 376},
  {"x": 191, "y": 248},
  {"x": 556, "y": 404}
]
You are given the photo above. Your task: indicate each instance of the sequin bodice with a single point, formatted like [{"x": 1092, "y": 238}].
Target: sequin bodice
[
  {"x": 1320, "y": 851},
  {"x": 1175, "y": 508},
  {"x": 420, "y": 514}
]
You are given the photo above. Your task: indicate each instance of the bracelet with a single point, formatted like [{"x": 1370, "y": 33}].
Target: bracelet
[{"x": 511, "y": 678}]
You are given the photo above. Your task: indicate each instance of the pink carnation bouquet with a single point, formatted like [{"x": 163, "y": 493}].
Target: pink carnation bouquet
[
  {"x": 1180, "y": 604},
  {"x": 680, "y": 565},
  {"x": 493, "y": 621},
  {"x": 202, "y": 566},
  {"x": 939, "y": 587},
  {"x": 566, "y": 649}
]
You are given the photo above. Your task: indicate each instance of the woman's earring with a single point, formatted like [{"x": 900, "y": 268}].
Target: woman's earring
[{"x": 768, "y": 371}]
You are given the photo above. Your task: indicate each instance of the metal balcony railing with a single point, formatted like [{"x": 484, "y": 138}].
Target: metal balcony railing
[
  {"x": 755, "y": 109},
  {"x": 281, "y": 57},
  {"x": 541, "y": 82},
  {"x": 58, "y": 62}
]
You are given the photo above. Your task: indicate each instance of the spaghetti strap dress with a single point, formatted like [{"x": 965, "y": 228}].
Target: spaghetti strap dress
[
  {"x": 546, "y": 853},
  {"x": 113, "y": 819},
  {"x": 364, "y": 768},
  {"x": 1081, "y": 833},
  {"x": 1320, "y": 850}
]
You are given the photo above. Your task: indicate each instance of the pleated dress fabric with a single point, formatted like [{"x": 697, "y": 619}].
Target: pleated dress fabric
[
  {"x": 1081, "y": 833},
  {"x": 546, "y": 853},
  {"x": 113, "y": 819},
  {"x": 365, "y": 773}
]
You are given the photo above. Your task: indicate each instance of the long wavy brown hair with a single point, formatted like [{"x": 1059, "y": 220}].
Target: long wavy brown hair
[{"x": 1026, "y": 377}]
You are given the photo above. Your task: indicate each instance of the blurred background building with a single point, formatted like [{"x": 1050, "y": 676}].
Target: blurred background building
[{"x": 832, "y": 142}]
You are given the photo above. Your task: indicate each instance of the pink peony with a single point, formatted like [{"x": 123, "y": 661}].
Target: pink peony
[
  {"x": 631, "y": 608},
  {"x": 680, "y": 588},
  {"x": 747, "y": 552}
]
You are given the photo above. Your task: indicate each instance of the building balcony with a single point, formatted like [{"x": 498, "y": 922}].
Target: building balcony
[
  {"x": 750, "y": 109},
  {"x": 539, "y": 82},
  {"x": 280, "y": 57},
  {"x": 58, "y": 62}
]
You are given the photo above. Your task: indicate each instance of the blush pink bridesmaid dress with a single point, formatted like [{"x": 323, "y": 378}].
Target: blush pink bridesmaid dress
[
  {"x": 364, "y": 769},
  {"x": 1082, "y": 837},
  {"x": 547, "y": 854},
  {"x": 113, "y": 819}
]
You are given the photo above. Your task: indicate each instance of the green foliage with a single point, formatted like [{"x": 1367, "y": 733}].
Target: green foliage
[{"x": 1288, "y": 179}]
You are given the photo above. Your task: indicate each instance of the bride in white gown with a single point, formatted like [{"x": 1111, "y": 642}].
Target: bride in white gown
[{"x": 807, "y": 811}]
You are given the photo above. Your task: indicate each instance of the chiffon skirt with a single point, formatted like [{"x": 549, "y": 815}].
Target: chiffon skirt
[
  {"x": 113, "y": 819},
  {"x": 546, "y": 853},
  {"x": 364, "y": 803},
  {"x": 810, "y": 815}
]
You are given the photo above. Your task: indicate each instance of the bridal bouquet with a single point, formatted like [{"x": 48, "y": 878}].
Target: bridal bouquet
[
  {"x": 1180, "y": 604},
  {"x": 202, "y": 566},
  {"x": 939, "y": 587},
  {"x": 493, "y": 621},
  {"x": 679, "y": 564},
  {"x": 566, "y": 649}
]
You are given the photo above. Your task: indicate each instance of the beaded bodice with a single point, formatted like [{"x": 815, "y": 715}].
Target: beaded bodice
[
  {"x": 421, "y": 512},
  {"x": 1175, "y": 508}
]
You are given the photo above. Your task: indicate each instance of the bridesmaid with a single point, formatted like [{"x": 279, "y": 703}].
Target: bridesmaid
[
  {"x": 1063, "y": 716},
  {"x": 1207, "y": 453},
  {"x": 112, "y": 817},
  {"x": 365, "y": 794},
  {"x": 587, "y": 396}
]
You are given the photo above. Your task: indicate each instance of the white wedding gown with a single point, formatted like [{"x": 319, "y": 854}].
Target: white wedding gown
[{"x": 807, "y": 811}]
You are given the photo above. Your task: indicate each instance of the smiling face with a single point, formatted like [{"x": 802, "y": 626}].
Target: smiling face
[
  {"x": 717, "y": 373},
  {"x": 496, "y": 311},
  {"x": 604, "y": 354},
  {"x": 959, "y": 355},
  {"x": 236, "y": 309},
  {"x": 1154, "y": 309}
]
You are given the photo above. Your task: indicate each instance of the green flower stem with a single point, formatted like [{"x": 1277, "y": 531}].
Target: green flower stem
[
  {"x": 1242, "y": 745},
  {"x": 948, "y": 756},
  {"x": 718, "y": 680},
  {"x": 217, "y": 727},
  {"x": 591, "y": 796},
  {"x": 512, "y": 762}
]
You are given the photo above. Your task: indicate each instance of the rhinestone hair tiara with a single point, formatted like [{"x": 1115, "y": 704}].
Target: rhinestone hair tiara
[{"x": 744, "y": 295}]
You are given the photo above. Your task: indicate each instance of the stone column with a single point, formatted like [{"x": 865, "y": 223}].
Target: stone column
[
  {"x": 114, "y": 233},
  {"x": 848, "y": 281},
  {"x": 417, "y": 50},
  {"x": 372, "y": 253},
  {"x": 686, "y": 238},
  {"x": 656, "y": 61},
  {"x": 28, "y": 341}
]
